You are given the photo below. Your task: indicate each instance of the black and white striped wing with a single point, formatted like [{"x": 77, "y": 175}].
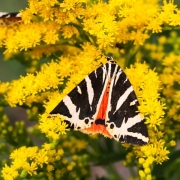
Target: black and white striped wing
[
  {"x": 105, "y": 102},
  {"x": 81, "y": 104},
  {"x": 123, "y": 121}
]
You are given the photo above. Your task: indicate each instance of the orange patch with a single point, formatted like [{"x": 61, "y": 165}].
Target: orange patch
[{"x": 99, "y": 128}]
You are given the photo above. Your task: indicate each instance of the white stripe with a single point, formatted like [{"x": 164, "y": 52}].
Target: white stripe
[
  {"x": 95, "y": 72},
  {"x": 125, "y": 80},
  {"x": 109, "y": 106},
  {"x": 8, "y": 16},
  {"x": 3, "y": 13},
  {"x": 69, "y": 104},
  {"x": 133, "y": 102},
  {"x": 79, "y": 90},
  {"x": 90, "y": 90},
  {"x": 138, "y": 136},
  {"x": 132, "y": 121},
  {"x": 117, "y": 76},
  {"x": 123, "y": 98},
  {"x": 104, "y": 73},
  {"x": 18, "y": 15}
]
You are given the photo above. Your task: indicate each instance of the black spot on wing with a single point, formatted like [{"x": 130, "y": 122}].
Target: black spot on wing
[
  {"x": 112, "y": 126},
  {"x": 100, "y": 121},
  {"x": 86, "y": 121}
]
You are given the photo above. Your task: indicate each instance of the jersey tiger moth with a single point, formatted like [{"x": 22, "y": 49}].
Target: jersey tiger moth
[{"x": 105, "y": 102}]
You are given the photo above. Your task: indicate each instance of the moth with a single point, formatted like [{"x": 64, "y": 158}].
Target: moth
[
  {"x": 9, "y": 18},
  {"x": 105, "y": 102}
]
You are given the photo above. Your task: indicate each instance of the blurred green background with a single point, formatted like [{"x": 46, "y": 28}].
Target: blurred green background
[{"x": 12, "y": 5}]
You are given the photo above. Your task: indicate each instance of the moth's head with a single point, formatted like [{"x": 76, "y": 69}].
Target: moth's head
[{"x": 110, "y": 59}]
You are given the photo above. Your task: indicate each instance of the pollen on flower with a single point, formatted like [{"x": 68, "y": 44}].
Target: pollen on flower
[
  {"x": 51, "y": 37},
  {"x": 53, "y": 126},
  {"x": 9, "y": 173},
  {"x": 31, "y": 168},
  {"x": 69, "y": 31},
  {"x": 69, "y": 4},
  {"x": 26, "y": 15},
  {"x": 41, "y": 157},
  {"x": 31, "y": 84}
]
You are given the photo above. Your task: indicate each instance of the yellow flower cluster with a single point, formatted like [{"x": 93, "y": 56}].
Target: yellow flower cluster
[
  {"x": 57, "y": 22},
  {"x": 52, "y": 76},
  {"x": 52, "y": 127},
  {"x": 78, "y": 34},
  {"x": 27, "y": 160},
  {"x": 19, "y": 90}
]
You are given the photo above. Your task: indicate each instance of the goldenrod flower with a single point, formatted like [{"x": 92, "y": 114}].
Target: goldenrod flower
[
  {"x": 9, "y": 173},
  {"x": 77, "y": 33}
]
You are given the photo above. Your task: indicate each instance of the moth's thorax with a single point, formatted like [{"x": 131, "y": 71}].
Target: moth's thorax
[{"x": 111, "y": 60}]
